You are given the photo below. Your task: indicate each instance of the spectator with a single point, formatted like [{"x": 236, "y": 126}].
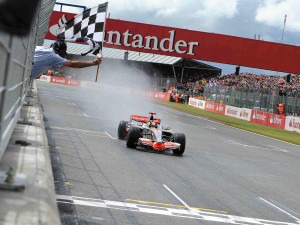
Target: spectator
[{"x": 45, "y": 58}]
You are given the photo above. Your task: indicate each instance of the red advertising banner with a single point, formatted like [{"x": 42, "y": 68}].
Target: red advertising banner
[
  {"x": 220, "y": 108},
  {"x": 58, "y": 80},
  {"x": 268, "y": 119},
  {"x": 210, "y": 106},
  {"x": 163, "y": 96},
  {"x": 195, "y": 44},
  {"x": 259, "y": 117},
  {"x": 276, "y": 121},
  {"x": 65, "y": 81}
]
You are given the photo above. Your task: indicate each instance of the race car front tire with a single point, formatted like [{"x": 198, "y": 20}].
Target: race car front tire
[
  {"x": 122, "y": 132},
  {"x": 133, "y": 137},
  {"x": 179, "y": 138}
]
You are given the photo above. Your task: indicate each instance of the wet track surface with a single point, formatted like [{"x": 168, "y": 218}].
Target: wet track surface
[{"x": 225, "y": 176}]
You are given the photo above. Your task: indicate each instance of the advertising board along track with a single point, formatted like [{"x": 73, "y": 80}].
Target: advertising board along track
[{"x": 289, "y": 123}]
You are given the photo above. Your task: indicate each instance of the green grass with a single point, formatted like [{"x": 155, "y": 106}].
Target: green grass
[{"x": 291, "y": 137}]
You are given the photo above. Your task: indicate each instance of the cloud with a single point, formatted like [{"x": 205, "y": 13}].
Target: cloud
[
  {"x": 166, "y": 12},
  {"x": 217, "y": 9},
  {"x": 189, "y": 14},
  {"x": 272, "y": 12}
]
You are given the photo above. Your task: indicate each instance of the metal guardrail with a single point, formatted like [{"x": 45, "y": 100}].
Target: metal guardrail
[{"x": 16, "y": 57}]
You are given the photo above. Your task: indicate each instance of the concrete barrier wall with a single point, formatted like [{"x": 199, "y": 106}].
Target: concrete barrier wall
[{"x": 16, "y": 58}]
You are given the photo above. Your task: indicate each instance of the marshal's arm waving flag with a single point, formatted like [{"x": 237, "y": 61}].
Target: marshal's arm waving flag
[{"x": 86, "y": 27}]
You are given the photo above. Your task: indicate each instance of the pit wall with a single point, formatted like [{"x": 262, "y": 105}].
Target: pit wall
[{"x": 289, "y": 123}]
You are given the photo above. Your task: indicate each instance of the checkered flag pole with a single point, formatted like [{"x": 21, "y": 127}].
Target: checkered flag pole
[{"x": 86, "y": 27}]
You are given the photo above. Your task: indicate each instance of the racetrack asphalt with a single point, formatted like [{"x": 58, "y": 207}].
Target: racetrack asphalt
[{"x": 225, "y": 176}]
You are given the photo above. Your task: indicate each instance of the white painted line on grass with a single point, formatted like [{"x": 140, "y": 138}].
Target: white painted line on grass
[
  {"x": 74, "y": 104},
  {"x": 297, "y": 219},
  {"x": 109, "y": 135},
  {"x": 176, "y": 196},
  {"x": 85, "y": 115}
]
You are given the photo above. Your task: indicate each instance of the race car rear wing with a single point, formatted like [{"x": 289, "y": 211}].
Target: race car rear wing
[{"x": 142, "y": 119}]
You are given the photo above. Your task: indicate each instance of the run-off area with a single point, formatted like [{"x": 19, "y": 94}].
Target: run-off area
[{"x": 225, "y": 175}]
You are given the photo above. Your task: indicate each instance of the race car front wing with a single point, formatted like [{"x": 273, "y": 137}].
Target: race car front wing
[{"x": 159, "y": 146}]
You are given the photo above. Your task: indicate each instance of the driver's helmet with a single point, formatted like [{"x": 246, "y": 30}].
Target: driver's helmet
[{"x": 153, "y": 124}]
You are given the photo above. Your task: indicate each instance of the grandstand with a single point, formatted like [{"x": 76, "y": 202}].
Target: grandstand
[{"x": 262, "y": 92}]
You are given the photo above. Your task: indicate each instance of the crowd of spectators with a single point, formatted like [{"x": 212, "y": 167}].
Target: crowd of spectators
[
  {"x": 194, "y": 83},
  {"x": 265, "y": 84}
]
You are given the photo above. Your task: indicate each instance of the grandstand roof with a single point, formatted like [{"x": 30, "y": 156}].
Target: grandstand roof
[
  {"x": 77, "y": 49},
  {"x": 194, "y": 64},
  {"x": 119, "y": 54}
]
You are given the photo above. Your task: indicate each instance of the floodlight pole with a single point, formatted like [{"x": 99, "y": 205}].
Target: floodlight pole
[
  {"x": 284, "y": 22},
  {"x": 182, "y": 70},
  {"x": 174, "y": 72},
  {"x": 283, "y": 27}
]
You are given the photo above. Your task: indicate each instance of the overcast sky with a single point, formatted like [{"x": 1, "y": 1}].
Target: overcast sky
[{"x": 243, "y": 18}]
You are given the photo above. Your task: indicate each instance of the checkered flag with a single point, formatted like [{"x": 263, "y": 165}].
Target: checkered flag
[{"x": 86, "y": 27}]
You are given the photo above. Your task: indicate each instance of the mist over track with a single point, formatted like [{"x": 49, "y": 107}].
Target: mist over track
[{"x": 225, "y": 176}]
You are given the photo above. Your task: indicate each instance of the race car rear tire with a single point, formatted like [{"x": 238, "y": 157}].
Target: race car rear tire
[
  {"x": 179, "y": 138},
  {"x": 122, "y": 132},
  {"x": 133, "y": 137}
]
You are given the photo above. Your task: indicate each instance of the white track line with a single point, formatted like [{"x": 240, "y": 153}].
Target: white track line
[
  {"x": 279, "y": 149},
  {"x": 297, "y": 219},
  {"x": 109, "y": 135},
  {"x": 74, "y": 104},
  {"x": 92, "y": 117},
  {"x": 176, "y": 196},
  {"x": 75, "y": 129},
  {"x": 215, "y": 218},
  {"x": 85, "y": 115},
  {"x": 250, "y": 146},
  {"x": 192, "y": 125}
]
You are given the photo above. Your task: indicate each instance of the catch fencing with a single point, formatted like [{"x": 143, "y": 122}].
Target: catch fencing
[
  {"x": 164, "y": 83},
  {"x": 290, "y": 123},
  {"x": 263, "y": 100},
  {"x": 16, "y": 59}
]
